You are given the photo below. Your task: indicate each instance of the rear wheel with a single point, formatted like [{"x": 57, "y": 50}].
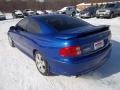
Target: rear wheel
[
  {"x": 11, "y": 42},
  {"x": 41, "y": 64}
]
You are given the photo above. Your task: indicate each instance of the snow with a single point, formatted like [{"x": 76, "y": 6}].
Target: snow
[{"x": 18, "y": 71}]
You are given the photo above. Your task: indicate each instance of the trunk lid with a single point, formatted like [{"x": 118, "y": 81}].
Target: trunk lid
[{"x": 88, "y": 37}]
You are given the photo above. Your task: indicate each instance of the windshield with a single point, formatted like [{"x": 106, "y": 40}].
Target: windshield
[
  {"x": 28, "y": 10},
  {"x": 110, "y": 6},
  {"x": 18, "y": 12},
  {"x": 62, "y": 23},
  {"x": 1, "y": 13}
]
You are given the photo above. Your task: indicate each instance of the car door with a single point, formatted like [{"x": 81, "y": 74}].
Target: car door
[
  {"x": 117, "y": 9},
  {"x": 29, "y": 36},
  {"x": 94, "y": 11},
  {"x": 69, "y": 10},
  {"x": 16, "y": 34}
]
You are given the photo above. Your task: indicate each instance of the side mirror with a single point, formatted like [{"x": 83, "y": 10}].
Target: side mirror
[{"x": 12, "y": 28}]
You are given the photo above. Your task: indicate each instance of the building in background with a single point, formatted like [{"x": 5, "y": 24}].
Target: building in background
[{"x": 88, "y": 3}]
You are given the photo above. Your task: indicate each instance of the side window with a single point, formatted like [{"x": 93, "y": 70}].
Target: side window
[
  {"x": 33, "y": 27},
  {"x": 119, "y": 5},
  {"x": 22, "y": 24},
  {"x": 68, "y": 8},
  {"x": 116, "y": 6}
]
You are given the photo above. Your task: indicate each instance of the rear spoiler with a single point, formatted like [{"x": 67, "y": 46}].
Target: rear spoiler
[{"x": 98, "y": 29}]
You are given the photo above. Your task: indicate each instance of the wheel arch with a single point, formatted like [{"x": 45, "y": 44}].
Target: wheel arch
[{"x": 34, "y": 50}]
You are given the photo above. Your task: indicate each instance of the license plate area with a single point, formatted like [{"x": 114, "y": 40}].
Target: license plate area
[{"x": 98, "y": 44}]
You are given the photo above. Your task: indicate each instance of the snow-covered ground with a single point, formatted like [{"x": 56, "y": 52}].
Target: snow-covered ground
[{"x": 18, "y": 72}]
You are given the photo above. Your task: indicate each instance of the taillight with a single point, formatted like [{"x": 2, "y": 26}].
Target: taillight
[{"x": 70, "y": 51}]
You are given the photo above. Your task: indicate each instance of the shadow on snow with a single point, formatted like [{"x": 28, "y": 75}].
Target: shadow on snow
[{"x": 112, "y": 66}]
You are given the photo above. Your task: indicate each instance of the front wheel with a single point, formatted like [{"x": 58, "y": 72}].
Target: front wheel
[
  {"x": 97, "y": 17},
  {"x": 73, "y": 14},
  {"x": 11, "y": 42},
  {"x": 112, "y": 15},
  {"x": 41, "y": 64}
]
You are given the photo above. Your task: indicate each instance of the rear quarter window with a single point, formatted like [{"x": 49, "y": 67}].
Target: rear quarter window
[
  {"x": 23, "y": 23},
  {"x": 33, "y": 27}
]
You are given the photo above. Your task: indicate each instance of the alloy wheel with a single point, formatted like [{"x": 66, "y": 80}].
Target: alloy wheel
[{"x": 40, "y": 63}]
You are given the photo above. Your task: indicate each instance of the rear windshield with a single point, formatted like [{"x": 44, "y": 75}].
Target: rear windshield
[{"x": 62, "y": 23}]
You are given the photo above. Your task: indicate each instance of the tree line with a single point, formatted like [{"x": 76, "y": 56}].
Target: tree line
[{"x": 8, "y": 6}]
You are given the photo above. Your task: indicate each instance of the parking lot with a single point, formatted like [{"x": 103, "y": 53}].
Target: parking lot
[{"x": 19, "y": 71}]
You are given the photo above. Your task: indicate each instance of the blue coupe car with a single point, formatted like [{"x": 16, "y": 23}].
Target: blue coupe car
[{"x": 61, "y": 44}]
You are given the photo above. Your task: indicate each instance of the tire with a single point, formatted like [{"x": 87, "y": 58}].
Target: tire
[
  {"x": 64, "y": 13},
  {"x": 112, "y": 15},
  {"x": 91, "y": 16},
  {"x": 97, "y": 17},
  {"x": 73, "y": 14},
  {"x": 13, "y": 16},
  {"x": 41, "y": 64},
  {"x": 11, "y": 42}
]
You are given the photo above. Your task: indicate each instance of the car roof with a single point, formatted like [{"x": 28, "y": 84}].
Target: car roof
[
  {"x": 43, "y": 21},
  {"x": 40, "y": 20},
  {"x": 70, "y": 6},
  {"x": 39, "y": 17},
  {"x": 27, "y": 9}
]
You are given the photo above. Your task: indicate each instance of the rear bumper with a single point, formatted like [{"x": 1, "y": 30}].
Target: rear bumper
[
  {"x": 17, "y": 16},
  {"x": 103, "y": 15},
  {"x": 83, "y": 65},
  {"x": 85, "y": 16}
]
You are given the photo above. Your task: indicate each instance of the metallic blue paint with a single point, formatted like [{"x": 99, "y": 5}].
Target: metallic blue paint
[{"x": 49, "y": 42}]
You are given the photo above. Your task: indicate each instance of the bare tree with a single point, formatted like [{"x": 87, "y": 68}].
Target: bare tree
[{"x": 10, "y": 5}]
